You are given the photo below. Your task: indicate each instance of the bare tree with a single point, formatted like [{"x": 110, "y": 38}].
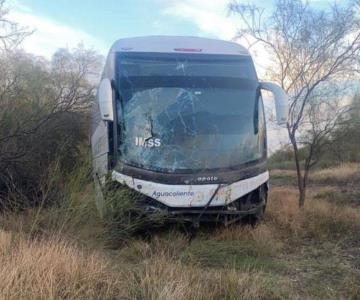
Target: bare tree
[
  {"x": 11, "y": 34},
  {"x": 325, "y": 112},
  {"x": 45, "y": 90},
  {"x": 43, "y": 109},
  {"x": 43, "y": 112},
  {"x": 309, "y": 48}
]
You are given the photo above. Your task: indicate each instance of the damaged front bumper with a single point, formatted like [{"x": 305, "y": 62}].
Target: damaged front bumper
[{"x": 215, "y": 214}]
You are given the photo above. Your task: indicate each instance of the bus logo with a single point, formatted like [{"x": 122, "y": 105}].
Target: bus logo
[{"x": 147, "y": 143}]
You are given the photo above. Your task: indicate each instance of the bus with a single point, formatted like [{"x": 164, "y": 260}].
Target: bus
[{"x": 181, "y": 121}]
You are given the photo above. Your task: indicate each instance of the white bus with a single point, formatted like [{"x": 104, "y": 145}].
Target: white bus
[{"x": 181, "y": 120}]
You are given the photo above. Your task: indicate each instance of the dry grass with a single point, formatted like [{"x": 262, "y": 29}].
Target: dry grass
[
  {"x": 308, "y": 253},
  {"x": 161, "y": 269},
  {"x": 52, "y": 269},
  {"x": 263, "y": 238},
  {"x": 348, "y": 173},
  {"x": 164, "y": 278},
  {"x": 56, "y": 269},
  {"x": 318, "y": 218},
  {"x": 345, "y": 173},
  {"x": 282, "y": 173}
]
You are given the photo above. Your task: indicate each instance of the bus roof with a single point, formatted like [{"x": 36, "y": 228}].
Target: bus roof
[{"x": 178, "y": 44}]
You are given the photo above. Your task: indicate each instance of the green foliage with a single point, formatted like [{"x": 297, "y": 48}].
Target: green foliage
[
  {"x": 283, "y": 158},
  {"x": 345, "y": 142},
  {"x": 236, "y": 254},
  {"x": 342, "y": 197},
  {"x": 125, "y": 215}
]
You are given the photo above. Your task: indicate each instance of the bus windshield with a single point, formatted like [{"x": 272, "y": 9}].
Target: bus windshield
[{"x": 188, "y": 112}]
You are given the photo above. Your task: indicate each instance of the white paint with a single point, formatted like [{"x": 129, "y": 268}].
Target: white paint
[
  {"x": 168, "y": 44},
  {"x": 192, "y": 195},
  {"x": 281, "y": 101}
]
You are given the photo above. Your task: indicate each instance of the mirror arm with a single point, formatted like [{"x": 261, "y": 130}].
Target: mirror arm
[{"x": 281, "y": 101}]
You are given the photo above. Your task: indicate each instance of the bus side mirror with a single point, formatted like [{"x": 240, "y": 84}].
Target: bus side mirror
[
  {"x": 281, "y": 101},
  {"x": 106, "y": 100}
]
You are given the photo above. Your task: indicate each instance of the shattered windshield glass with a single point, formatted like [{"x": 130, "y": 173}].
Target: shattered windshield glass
[{"x": 189, "y": 112}]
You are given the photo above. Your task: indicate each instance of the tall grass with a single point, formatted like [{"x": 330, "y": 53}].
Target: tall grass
[
  {"x": 124, "y": 213},
  {"x": 348, "y": 173},
  {"x": 161, "y": 278},
  {"x": 59, "y": 252},
  {"x": 318, "y": 218},
  {"x": 53, "y": 269},
  {"x": 67, "y": 206},
  {"x": 343, "y": 174}
]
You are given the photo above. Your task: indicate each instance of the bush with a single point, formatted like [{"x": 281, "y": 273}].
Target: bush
[
  {"x": 43, "y": 120},
  {"x": 125, "y": 215}
]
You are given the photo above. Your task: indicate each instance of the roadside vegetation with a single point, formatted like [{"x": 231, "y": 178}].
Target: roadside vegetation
[{"x": 68, "y": 251}]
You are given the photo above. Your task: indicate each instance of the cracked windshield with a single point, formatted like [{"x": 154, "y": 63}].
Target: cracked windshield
[{"x": 188, "y": 112}]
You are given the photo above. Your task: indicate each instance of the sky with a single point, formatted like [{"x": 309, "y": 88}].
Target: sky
[{"x": 98, "y": 24}]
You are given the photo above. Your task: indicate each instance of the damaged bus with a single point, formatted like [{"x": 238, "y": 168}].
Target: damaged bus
[{"x": 181, "y": 121}]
